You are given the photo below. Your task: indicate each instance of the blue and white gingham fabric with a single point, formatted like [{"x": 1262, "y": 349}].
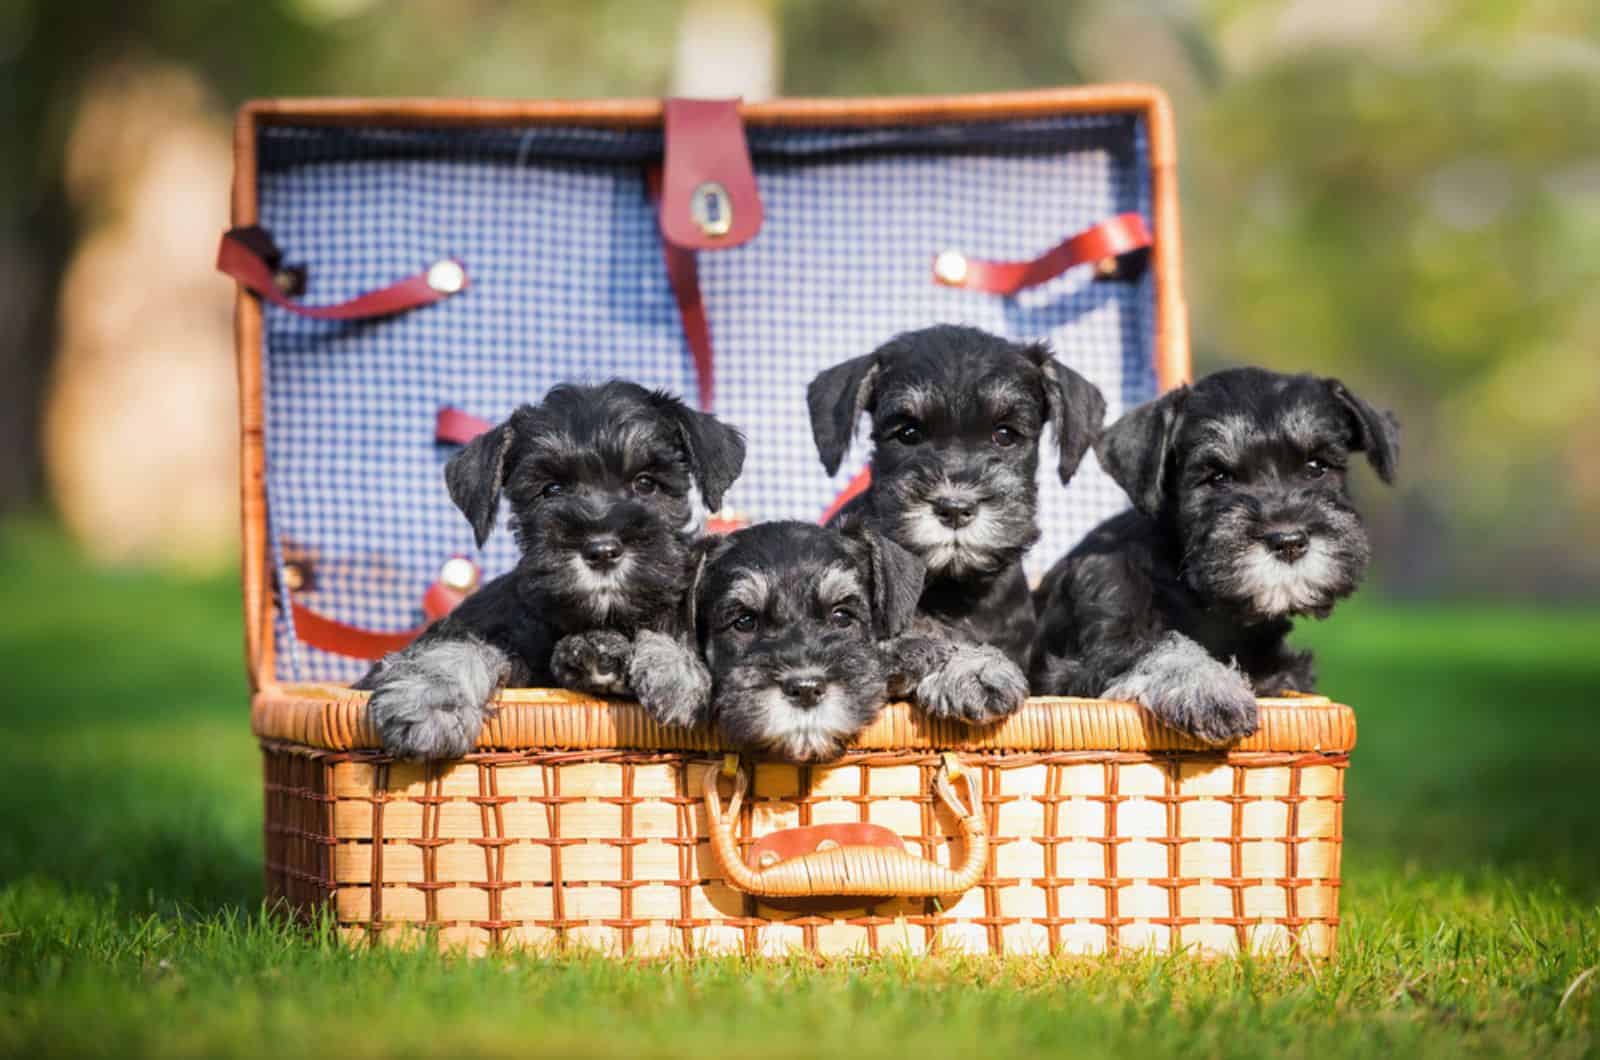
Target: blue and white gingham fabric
[{"x": 567, "y": 283}]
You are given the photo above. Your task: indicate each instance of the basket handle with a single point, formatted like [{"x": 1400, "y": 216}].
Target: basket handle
[{"x": 849, "y": 871}]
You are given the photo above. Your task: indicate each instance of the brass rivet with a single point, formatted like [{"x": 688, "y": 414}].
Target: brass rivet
[
  {"x": 951, "y": 267},
  {"x": 828, "y": 844},
  {"x": 1106, "y": 268},
  {"x": 447, "y": 277},
  {"x": 767, "y": 859},
  {"x": 459, "y": 573},
  {"x": 294, "y": 577},
  {"x": 712, "y": 209}
]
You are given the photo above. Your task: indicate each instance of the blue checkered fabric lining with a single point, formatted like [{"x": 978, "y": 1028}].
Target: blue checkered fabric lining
[{"x": 567, "y": 283}]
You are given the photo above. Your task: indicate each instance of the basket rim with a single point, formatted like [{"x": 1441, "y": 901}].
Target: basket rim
[{"x": 335, "y": 718}]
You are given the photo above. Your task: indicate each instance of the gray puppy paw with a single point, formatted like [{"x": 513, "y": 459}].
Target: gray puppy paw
[
  {"x": 975, "y": 683},
  {"x": 1185, "y": 687},
  {"x": 431, "y": 700},
  {"x": 669, "y": 679},
  {"x": 595, "y": 661}
]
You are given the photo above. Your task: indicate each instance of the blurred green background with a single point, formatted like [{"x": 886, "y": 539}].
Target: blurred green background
[
  {"x": 1403, "y": 194},
  {"x": 1406, "y": 195}
]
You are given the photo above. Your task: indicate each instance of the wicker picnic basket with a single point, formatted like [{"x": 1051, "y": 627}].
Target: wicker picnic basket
[{"x": 541, "y": 241}]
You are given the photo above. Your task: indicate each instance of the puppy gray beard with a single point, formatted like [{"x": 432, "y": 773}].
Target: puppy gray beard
[
  {"x": 1234, "y": 568},
  {"x": 1275, "y": 588},
  {"x": 982, "y": 546},
  {"x": 801, "y": 734},
  {"x": 600, "y": 594}
]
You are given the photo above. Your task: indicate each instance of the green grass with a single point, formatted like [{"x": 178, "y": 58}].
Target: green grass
[{"x": 130, "y": 883}]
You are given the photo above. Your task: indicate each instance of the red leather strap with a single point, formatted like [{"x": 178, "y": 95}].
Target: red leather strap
[
  {"x": 683, "y": 274},
  {"x": 456, "y": 427},
  {"x": 329, "y": 635},
  {"x": 1106, "y": 241},
  {"x": 857, "y": 486},
  {"x": 708, "y": 196},
  {"x": 340, "y": 639},
  {"x": 250, "y": 257}
]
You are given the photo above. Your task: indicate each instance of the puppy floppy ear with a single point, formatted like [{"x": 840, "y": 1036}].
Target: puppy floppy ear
[
  {"x": 1076, "y": 408},
  {"x": 701, "y": 553},
  {"x": 896, "y": 577},
  {"x": 837, "y": 397},
  {"x": 476, "y": 475},
  {"x": 1134, "y": 450},
  {"x": 715, "y": 450},
  {"x": 1378, "y": 433}
]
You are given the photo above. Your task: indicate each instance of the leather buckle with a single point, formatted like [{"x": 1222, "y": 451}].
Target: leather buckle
[{"x": 708, "y": 185}]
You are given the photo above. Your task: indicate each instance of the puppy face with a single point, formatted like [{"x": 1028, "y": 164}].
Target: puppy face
[
  {"x": 1248, "y": 468},
  {"x": 790, "y": 615},
  {"x": 608, "y": 485},
  {"x": 957, "y": 416}
]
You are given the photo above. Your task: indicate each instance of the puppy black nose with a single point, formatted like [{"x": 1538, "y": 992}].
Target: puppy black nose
[
  {"x": 954, "y": 513},
  {"x": 602, "y": 552},
  {"x": 805, "y": 689},
  {"x": 1288, "y": 545}
]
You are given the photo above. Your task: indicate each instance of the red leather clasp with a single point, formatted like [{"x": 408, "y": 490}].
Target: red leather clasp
[
  {"x": 1105, "y": 242},
  {"x": 708, "y": 193},
  {"x": 251, "y": 257},
  {"x": 795, "y": 842}
]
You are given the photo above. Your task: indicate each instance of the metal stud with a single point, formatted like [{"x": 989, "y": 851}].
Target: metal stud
[
  {"x": 711, "y": 208},
  {"x": 459, "y": 573},
  {"x": 950, "y": 267},
  {"x": 447, "y": 277}
]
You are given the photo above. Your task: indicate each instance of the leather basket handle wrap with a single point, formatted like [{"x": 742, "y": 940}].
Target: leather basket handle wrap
[{"x": 850, "y": 871}]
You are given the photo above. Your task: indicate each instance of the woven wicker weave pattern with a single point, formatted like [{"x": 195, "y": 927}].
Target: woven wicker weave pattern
[{"x": 1090, "y": 851}]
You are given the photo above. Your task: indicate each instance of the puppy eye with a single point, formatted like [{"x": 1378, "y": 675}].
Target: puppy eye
[
  {"x": 1316, "y": 468},
  {"x": 1218, "y": 477},
  {"x": 553, "y": 489},
  {"x": 841, "y": 618},
  {"x": 745, "y": 623},
  {"x": 644, "y": 485},
  {"x": 1006, "y": 437},
  {"x": 910, "y": 434}
]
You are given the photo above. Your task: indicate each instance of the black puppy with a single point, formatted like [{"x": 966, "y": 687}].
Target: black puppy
[
  {"x": 957, "y": 415},
  {"x": 791, "y": 617},
  {"x": 608, "y": 486},
  {"x": 1241, "y": 521}
]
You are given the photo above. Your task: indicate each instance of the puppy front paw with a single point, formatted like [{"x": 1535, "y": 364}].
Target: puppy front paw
[
  {"x": 669, "y": 679},
  {"x": 975, "y": 683},
  {"x": 909, "y": 659},
  {"x": 431, "y": 700},
  {"x": 1185, "y": 687},
  {"x": 595, "y": 661}
]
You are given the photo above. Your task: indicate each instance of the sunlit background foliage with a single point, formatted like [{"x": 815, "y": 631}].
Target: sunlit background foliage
[{"x": 1406, "y": 195}]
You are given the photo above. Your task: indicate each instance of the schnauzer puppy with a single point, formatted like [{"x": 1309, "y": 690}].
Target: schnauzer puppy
[
  {"x": 957, "y": 415},
  {"x": 1241, "y": 521},
  {"x": 791, "y": 617},
  {"x": 608, "y": 488}
]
